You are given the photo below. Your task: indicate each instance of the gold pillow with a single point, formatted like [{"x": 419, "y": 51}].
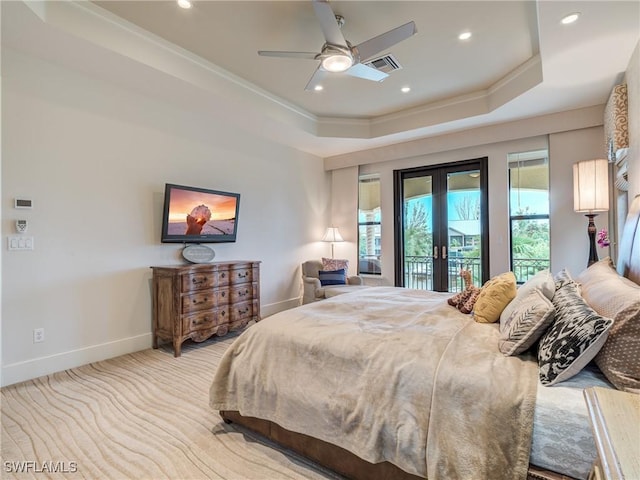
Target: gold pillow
[{"x": 494, "y": 297}]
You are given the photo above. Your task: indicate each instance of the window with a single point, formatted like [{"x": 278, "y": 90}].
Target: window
[
  {"x": 529, "y": 213},
  {"x": 369, "y": 225}
]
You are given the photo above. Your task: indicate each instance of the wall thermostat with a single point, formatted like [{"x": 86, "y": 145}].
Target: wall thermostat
[
  {"x": 23, "y": 203},
  {"x": 21, "y": 226}
]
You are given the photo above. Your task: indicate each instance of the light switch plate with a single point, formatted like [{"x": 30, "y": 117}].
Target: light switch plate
[{"x": 20, "y": 242}]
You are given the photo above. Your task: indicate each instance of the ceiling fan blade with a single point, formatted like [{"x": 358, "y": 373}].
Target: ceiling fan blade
[
  {"x": 363, "y": 71},
  {"x": 270, "y": 53},
  {"x": 317, "y": 77},
  {"x": 375, "y": 45},
  {"x": 328, "y": 23}
]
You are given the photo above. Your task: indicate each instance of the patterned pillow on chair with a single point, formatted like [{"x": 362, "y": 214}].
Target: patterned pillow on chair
[{"x": 335, "y": 264}]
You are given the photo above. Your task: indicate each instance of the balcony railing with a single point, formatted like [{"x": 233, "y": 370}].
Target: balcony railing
[
  {"x": 419, "y": 271},
  {"x": 525, "y": 268}
]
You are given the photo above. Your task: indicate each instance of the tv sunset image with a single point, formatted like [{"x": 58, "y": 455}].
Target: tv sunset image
[{"x": 198, "y": 213}]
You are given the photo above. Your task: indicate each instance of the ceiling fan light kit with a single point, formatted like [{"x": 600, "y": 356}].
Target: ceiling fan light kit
[{"x": 338, "y": 55}]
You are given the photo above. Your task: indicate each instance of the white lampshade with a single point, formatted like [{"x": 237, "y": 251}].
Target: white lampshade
[
  {"x": 591, "y": 186},
  {"x": 332, "y": 235}
]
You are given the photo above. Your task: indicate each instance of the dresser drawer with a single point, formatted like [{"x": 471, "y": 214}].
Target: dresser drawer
[
  {"x": 243, "y": 293},
  {"x": 204, "y": 280},
  {"x": 199, "y": 321},
  {"x": 195, "y": 302},
  {"x": 198, "y": 281},
  {"x": 241, "y": 311},
  {"x": 242, "y": 275}
]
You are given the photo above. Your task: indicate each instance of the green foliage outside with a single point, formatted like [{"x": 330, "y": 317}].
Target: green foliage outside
[
  {"x": 418, "y": 240},
  {"x": 530, "y": 238}
]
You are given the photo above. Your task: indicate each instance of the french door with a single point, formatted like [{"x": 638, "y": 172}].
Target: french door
[{"x": 441, "y": 225}]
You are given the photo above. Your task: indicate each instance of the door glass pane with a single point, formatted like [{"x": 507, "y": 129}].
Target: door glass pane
[
  {"x": 418, "y": 233},
  {"x": 369, "y": 232},
  {"x": 464, "y": 228}
]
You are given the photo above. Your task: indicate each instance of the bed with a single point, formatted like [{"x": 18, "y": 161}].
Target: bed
[{"x": 389, "y": 383}]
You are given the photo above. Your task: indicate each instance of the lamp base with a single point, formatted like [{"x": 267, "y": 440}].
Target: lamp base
[{"x": 591, "y": 231}]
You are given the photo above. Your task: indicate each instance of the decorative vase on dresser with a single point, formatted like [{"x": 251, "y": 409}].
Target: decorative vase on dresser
[{"x": 200, "y": 300}]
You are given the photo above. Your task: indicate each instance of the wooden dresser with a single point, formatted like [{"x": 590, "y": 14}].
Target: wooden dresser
[{"x": 200, "y": 300}]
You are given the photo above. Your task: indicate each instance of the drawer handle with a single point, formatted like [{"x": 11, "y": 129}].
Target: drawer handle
[
  {"x": 222, "y": 294},
  {"x": 223, "y": 274},
  {"x": 205, "y": 319},
  {"x": 242, "y": 294},
  {"x": 223, "y": 313},
  {"x": 243, "y": 274},
  {"x": 199, "y": 281},
  {"x": 242, "y": 312},
  {"x": 196, "y": 302}
]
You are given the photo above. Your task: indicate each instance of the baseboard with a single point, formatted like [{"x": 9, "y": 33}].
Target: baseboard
[
  {"x": 37, "y": 367},
  {"x": 273, "y": 308}
]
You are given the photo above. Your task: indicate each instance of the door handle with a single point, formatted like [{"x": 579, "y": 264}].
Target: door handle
[
  {"x": 435, "y": 252},
  {"x": 444, "y": 252}
]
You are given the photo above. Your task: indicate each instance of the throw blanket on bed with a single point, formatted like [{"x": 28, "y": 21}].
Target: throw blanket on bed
[{"x": 389, "y": 374}]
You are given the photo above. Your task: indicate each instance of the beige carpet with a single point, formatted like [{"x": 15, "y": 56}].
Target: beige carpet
[{"x": 140, "y": 416}]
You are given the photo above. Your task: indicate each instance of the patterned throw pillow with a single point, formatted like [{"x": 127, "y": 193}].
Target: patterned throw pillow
[
  {"x": 562, "y": 278},
  {"x": 332, "y": 277},
  {"x": 573, "y": 340},
  {"x": 542, "y": 280},
  {"x": 616, "y": 297},
  {"x": 335, "y": 264},
  {"x": 527, "y": 323}
]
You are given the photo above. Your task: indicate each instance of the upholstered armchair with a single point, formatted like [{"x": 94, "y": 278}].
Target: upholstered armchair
[{"x": 313, "y": 290}]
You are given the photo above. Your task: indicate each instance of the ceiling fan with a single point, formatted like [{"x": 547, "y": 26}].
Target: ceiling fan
[{"x": 338, "y": 55}]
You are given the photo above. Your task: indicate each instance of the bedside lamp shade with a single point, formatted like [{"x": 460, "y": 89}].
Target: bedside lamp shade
[
  {"x": 591, "y": 186},
  {"x": 591, "y": 194},
  {"x": 332, "y": 235}
]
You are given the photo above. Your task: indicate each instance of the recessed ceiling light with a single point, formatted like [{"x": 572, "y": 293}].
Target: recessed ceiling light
[
  {"x": 405, "y": 89},
  {"x": 572, "y": 17},
  {"x": 464, "y": 36},
  {"x": 318, "y": 88},
  {"x": 184, "y": 4}
]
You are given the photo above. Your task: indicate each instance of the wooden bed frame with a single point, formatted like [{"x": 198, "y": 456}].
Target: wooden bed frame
[{"x": 353, "y": 467}]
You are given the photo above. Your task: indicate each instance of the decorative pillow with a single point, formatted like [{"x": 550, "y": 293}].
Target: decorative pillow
[
  {"x": 562, "y": 278},
  {"x": 494, "y": 296},
  {"x": 575, "y": 337},
  {"x": 543, "y": 280},
  {"x": 335, "y": 264},
  {"x": 332, "y": 277},
  {"x": 527, "y": 323},
  {"x": 616, "y": 297}
]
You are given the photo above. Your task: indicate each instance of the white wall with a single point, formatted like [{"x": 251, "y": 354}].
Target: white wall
[
  {"x": 569, "y": 242},
  {"x": 94, "y": 157},
  {"x": 569, "y": 238}
]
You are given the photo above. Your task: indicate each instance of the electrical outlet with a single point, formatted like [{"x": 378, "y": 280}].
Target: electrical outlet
[{"x": 38, "y": 335}]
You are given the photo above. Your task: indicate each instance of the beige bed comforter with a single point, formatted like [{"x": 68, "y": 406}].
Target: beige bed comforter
[{"x": 392, "y": 375}]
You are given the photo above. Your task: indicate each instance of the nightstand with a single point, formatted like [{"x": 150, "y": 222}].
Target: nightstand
[{"x": 615, "y": 419}]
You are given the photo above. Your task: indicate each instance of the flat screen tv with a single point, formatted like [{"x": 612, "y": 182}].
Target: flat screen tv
[{"x": 199, "y": 215}]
